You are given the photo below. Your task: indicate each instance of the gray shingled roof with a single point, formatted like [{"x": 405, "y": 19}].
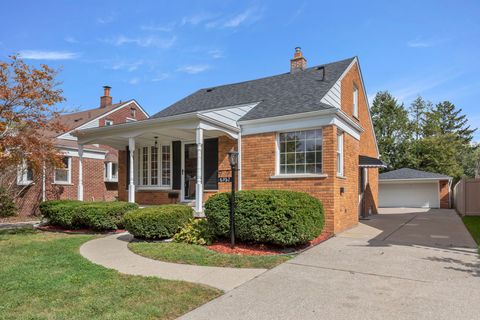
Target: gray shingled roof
[
  {"x": 407, "y": 173},
  {"x": 283, "y": 94},
  {"x": 366, "y": 161}
]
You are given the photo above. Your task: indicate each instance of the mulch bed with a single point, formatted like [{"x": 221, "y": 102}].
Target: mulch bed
[
  {"x": 254, "y": 249},
  {"x": 77, "y": 231}
]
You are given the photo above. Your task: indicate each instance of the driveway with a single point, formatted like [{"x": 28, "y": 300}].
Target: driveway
[{"x": 400, "y": 264}]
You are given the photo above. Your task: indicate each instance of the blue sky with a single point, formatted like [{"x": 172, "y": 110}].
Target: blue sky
[{"x": 159, "y": 51}]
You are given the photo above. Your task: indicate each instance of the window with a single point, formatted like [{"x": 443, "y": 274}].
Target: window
[
  {"x": 133, "y": 112},
  {"x": 154, "y": 166},
  {"x": 355, "y": 101},
  {"x": 63, "y": 175},
  {"x": 166, "y": 165},
  {"x": 300, "y": 152},
  {"x": 109, "y": 122},
  {"x": 111, "y": 172},
  {"x": 340, "y": 154},
  {"x": 24, "y": 174}
]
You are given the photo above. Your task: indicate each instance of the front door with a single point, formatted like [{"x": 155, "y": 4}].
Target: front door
[{"x": 190, "y": 171}]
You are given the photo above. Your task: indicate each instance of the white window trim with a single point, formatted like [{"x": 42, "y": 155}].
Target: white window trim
[
  {"x": 22, "y": 175},
  {"x": 279, "y": 175},
  {"x": 108, "y": 175},
  {"x": 340, "y": 145},
  {"x": 128, "y": 119},
  {"x": 110, "y": 122},
  {"x": 139, "y": 168},
  {"x": 69, "y": 173},
  {"x": 355, "y": 101}
]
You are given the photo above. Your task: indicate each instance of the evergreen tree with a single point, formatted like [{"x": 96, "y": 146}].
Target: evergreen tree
[{"x": 391, "y": 124}]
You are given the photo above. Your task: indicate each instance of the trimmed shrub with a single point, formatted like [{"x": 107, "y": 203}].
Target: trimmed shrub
[
  {"x": 158, "y": 222},
  {"x": 102, "y": 215},
  {"x": 196, "y": 231},
  {"x": 73, "y": 214},
  {"x": 277, "y": 217},
  {"x": 7, "y": 205},
  {"x": 60, "y": 213}
]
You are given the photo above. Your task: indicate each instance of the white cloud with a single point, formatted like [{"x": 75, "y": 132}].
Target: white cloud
[
  {"x": 48, "y": 55},
  {"x": 71, "y": 39},
  {"x": 134, "y": 81},
  {"x": 216, "y": 54},
  {"x": 197, "y": 18},
  {"x": 246, "y": 17},
  {"x": 107, "y": 19},
  {"x": 160, "y": 77},
  {"x": 164, "y": 28},
  {"x": 127, "y": 66},
  {"x": 194, "y": 69},
  {"x": 148, "y": 41},
  {"x": 425, "y": 43}
]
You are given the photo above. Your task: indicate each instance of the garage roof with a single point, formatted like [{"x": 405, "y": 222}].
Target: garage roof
[{"x": 407, "y": 173}]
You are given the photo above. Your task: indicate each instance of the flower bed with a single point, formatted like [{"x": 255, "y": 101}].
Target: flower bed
[
  {"x": 77, "y": 231},
  {"x": 262, "y": 249}
]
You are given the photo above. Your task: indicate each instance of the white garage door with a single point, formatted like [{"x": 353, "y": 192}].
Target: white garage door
[{"x": 415, "y": 195}]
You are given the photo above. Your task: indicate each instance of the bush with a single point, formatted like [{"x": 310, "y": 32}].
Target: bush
[
  {"x": 102, "y": 215},
  {"x": 196, "y": 231},
  {"x": 278, "y": 217},
  {"x": 7, "y": 205},
  {"x": 73, "y": 214},
  {"x": 158, "y": 222}
]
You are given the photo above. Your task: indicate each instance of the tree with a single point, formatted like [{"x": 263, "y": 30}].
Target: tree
[
  {"x": 392, "y": 129},
  {"x": 28, "y": 116}
]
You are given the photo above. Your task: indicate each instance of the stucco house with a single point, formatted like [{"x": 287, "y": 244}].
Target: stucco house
[
  {"x": 306, "y": 130},
  {"x": 100, "y": 162}
]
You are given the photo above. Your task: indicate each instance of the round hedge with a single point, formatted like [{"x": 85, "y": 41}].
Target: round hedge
[
  {"x": 278, "y": 217},
  {"x": 158, "y": 222}
]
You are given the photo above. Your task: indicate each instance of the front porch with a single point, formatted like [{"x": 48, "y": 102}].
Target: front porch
[{"x": 167, "y": 160}]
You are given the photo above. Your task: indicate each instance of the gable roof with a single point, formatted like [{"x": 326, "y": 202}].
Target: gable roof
[
  {"x": 76, "y": 119},
  {"x": 407, "y": 173},
  {"x": 283, "y": 94}
]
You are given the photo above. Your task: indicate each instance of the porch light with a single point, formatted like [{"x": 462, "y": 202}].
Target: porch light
[
  {"x": 156, "y": 142},
  {"x": 233, "y": 158}
]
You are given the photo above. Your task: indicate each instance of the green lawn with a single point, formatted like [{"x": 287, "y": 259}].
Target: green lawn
[
  {"x": 200, "y": 255},
  {"x": 473, "y": 226},
  {"x": 43, "y": 276}
]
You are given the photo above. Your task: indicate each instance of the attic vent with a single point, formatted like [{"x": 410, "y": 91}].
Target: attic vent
[
  {"x": 76, "y": 120},
  {"x": 321, "y": 69},
  {"x": 210, "y": 89}
]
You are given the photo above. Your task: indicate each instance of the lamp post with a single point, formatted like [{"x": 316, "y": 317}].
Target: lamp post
[{"x": 233, "y": 159}]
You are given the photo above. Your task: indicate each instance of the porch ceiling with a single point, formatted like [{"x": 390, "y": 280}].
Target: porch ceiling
[{"x": 145, "y": 131}]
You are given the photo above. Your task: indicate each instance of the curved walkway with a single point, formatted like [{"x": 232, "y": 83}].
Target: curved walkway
[{"x": 112, "y": 252}]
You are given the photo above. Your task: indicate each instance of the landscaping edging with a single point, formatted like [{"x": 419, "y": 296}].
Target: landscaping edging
[{"x": 48, "y": 228}]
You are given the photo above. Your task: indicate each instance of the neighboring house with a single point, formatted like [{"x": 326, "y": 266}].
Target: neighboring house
[
  {"x": 415, "y": 189},
  {"x": 306, "y": 130},
  {"x": 100, "y": 162}
]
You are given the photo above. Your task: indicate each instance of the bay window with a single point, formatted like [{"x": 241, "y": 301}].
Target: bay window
[
  {"x": 154, "y": 166},
  {"x": 300, "y": 152}
]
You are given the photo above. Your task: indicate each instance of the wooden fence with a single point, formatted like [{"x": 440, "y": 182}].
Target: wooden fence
[{"x": 466, "y": 197}]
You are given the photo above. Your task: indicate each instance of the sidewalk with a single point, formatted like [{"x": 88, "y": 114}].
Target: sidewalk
[{"x": 112, "y": 252}]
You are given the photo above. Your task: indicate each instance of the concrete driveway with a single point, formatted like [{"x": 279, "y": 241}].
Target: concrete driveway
[{"x": 401, "y": 264}]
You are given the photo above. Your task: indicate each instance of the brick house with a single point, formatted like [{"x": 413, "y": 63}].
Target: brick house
[
  {"x": 306, "y": 130},
  {"x": 100, "y": 162}
]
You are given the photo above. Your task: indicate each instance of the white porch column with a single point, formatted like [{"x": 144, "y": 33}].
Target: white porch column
[
  {"x": 199, "y": 188},
  {"x": 131, "y": 184},
  {"x": 80, "y": 173}
]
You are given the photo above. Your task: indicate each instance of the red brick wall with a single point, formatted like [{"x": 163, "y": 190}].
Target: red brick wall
[
  {"x": 367, "y": 138},
  {"x": 258, "y": 167},
  {"x": 444, "y": 194}
]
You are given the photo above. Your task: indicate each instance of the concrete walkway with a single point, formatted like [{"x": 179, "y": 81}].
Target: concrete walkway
[
  {"x": 402, "y": 264},
  {"x": 112, "y": 252}
]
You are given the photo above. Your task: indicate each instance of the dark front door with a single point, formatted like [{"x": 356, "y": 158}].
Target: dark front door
[{"x": 190, "y": 167}]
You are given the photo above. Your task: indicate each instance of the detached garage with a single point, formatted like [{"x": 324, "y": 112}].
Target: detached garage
[{"x": 414, "y": 189}]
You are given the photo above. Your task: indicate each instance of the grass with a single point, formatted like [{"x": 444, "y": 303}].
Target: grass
[
  {"x": 43, "y": 276},
  {"x": 200, "y": 255},
  {"x": 473, "y": 226}
]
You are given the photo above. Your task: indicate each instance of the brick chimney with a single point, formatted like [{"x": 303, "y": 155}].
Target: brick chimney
[
  {"x": 298, "y": 62},
  {"x": 106, "y": 99}
]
